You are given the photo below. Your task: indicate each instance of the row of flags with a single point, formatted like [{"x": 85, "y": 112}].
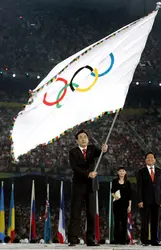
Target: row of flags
[
  {"x": 32, "y": 233},
  {"x": 47, "y": 224}
]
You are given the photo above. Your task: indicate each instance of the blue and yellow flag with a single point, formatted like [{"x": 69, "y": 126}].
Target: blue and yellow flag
[
  {"x": 2, "y": 220},
  {"x": 11, "y": 222}
]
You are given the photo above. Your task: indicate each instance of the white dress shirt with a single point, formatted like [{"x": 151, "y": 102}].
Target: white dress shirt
[
  {"x": 82, "y": 149},
  {"x": 149, "y": 169}
]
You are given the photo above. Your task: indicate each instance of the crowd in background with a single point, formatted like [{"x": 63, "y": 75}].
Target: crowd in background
[
  {"x": 34, "y": 38},
  {"x": 132, "y": 136}
]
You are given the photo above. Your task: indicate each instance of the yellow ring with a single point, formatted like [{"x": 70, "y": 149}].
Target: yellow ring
[{"x": 91, "y": 86}]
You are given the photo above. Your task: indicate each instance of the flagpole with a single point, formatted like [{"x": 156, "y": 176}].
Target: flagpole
[
  {"x": 31, "y": 210},
  {"x": 48, "y": 191},
  {"x": 49, "y": 219},
  {"x": 109, "y": 213},
  {"x": 107, "y": 138}
]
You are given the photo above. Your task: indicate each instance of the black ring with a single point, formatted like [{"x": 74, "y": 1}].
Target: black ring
[{"x": 85, "y": 67}]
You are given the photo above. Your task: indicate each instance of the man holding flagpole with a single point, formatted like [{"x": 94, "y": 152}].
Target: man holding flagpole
[{"x": 85, "y": 184}]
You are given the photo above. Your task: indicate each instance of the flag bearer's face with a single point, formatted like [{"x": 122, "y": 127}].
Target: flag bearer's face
[
  {"x": 150, "y": 160},
  {"x": 82, "y": 140}
]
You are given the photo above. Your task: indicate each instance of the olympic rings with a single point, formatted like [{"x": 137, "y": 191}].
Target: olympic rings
[
  {"x": 60, "y": 99},
  {"x": 109, "y": 69},
  {"x": 94, "y": 82},
  {"x": 58, "y": 105},
  {"x": 94, "y": 72}
]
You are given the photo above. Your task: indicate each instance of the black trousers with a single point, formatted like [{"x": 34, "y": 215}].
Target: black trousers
[
  {"x": 80, "y": 195},
  {"x": 120, "y": 223},
  {"x": 149, "y": 214}
]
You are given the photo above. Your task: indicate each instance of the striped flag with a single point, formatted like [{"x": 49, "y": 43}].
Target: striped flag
[
  {"x": 32, "y": 214},
  {"x": 47, "y": 227},
  {"x": 11, "y": 222},
  {"x": 2, "y": 220},
  {"x": 97, "y": 229},
  {"x": 61, "y": 227},
  {"x": 129, "y": 228}
]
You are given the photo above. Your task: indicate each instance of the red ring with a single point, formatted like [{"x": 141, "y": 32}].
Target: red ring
[{"x": 61, "y": 98}]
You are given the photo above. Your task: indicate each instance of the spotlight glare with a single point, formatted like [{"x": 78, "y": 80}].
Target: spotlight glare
[
  {"x": 14, "y": 75},
  {"x": 137, "y": 83},
  {"x": 38, "y": 77}
]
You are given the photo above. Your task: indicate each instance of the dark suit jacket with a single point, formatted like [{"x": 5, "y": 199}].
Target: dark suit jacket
[
  {"x": 81, "y": 168},
  {"x": 147, "y": 192}
]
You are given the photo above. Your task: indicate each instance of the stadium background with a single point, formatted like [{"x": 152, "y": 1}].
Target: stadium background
[{"x": 35, "y": 36}]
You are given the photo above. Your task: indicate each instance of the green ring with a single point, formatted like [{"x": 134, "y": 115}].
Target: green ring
[{"x": 60, "y": 92}]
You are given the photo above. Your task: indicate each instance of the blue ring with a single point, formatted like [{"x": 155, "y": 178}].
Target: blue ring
[{"x": 109, "y": 69}]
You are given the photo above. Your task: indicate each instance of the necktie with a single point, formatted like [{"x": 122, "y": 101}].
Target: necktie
[
  {"x": 152, "y": 174},
  {"x": 84, "y": 153}
]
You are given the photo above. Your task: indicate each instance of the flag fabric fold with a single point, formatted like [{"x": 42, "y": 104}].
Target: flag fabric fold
[
  {"x": 2, "y": 214},
  {"x": 99, "y": 76},
  {"x": 32, "y": 235},
  {"x": 97, "y": 233},
  {"x": 11, "y": 222},
  {"x": 61, "y": 226},
  {"x": 129, "y": 228},
  {"x": 47, "y": 226}
]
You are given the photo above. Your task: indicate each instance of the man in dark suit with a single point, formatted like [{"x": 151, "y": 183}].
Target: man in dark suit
[
  {"x": 85, "y": 184},
  {"x": 149, "y": 198}
]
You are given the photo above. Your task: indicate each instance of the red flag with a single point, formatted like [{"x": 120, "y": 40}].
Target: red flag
[
  {"x": 61, "y": 226},
  {"x": 129, "y": 228}
]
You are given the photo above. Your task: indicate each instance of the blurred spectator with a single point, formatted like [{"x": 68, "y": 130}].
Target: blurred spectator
[
  {"x": 35, "y": 39},
  {"x": 7, "y": 239}
]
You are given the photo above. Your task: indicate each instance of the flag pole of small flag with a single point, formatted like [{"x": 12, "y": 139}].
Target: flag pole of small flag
[
  {"x": 129, "y": 228},
  {"x": 2, "y": 219},
  {"x": 85, "y": 232},
  {"x": 47, "y": 226},
  {"x": 61, "y": 226},
  {"x": 97, "y": 219},
  {"x": 32, "y": 234},
  {"x": 110, "y": 216},
  {"x": 11, "y": 222}
]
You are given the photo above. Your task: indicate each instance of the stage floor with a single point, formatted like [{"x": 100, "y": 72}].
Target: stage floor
[{"x": 64, "y": 247}]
